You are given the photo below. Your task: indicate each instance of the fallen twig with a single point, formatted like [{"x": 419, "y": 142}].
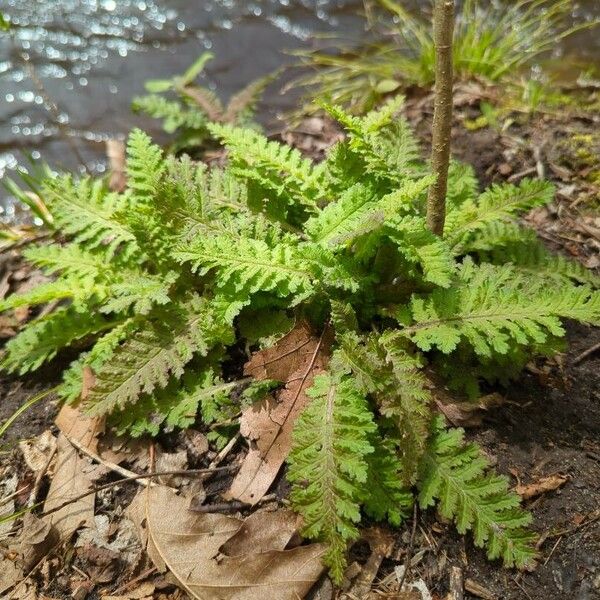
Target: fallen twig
[
  {"x": 586, "y": 353},
  {"x": 134, "y": 581},
  {"x": 109, "y": 465},
  {"x": 552, "y": 551},
  {"x": 410, "y": 549},
  {"x": 107, "y": 486}
]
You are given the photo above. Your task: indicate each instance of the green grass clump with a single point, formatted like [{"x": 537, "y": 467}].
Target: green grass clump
[{"x": 493, "y": 41}]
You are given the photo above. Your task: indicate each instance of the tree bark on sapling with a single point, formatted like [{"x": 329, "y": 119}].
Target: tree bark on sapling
[{"x": 443, "y": 31}]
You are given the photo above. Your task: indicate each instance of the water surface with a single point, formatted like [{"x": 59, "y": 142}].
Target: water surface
[{"x": 69, "y": 69}]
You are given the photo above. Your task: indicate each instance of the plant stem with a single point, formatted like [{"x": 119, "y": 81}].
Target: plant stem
[{"x": 443, "y": 31}]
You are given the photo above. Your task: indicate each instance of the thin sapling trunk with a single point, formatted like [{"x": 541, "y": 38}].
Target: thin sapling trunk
[{"x": 443, "y": 30}]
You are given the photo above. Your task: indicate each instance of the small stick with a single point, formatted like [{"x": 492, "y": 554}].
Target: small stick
[
  {"x": 232, "y": 506},
  {"x": 221, "y": 507},
  {"x": 522, "y": 588},
  {"x": 131, "y": 583},
  {"x": 225, "y": 451},
  {"x": 107, "y": 486},
  {"x": 585, "y": 354},
  {"x": 558, "y": 541},
  {"x": 109, "y": 465},
  {"x": 409, "y": 552},
  {"x": 13, "y": 495}
]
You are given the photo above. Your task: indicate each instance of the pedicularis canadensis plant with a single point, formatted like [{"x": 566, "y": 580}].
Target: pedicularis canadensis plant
[{"x": 157, "y": 285}]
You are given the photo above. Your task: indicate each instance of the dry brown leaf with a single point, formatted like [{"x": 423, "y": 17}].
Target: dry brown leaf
[
  {"x": 38, "y": 451},
  {"x": 295, "y": 359},
  {"x": 115, "y": 152},
  {"x": 10, "y": 574},
  {"x": 36, "y": 539},
  {"x": 102, "y": 564},
  {"x": 468, "y": 414},
  {"x": 263, "y": 534},
  {"x": 78, "y": 427},
  {"x": 73, "y": 476},
  {"x": 191, "y": 546},
  {"x": 88, "y": 380},
  {"x": 541, "y": 486}
]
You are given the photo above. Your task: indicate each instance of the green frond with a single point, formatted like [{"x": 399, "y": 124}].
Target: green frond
[
  {"x": 148, "y": 358},
  {"x": 343, "y": 317},
  {"x": 144, "y": 166},
  {"x": 387, "y": 146},
  {"x": 502, "y": 243},
  {"x": 338, "y": 221},
  {"x": 275, "y": 167},
  {"x": 493, "y": 306},
  {"x": 383, "y": 367},
  {"x": 497, "y": 203},
  {"x": 360, "y": 210},
  {"x": 242, "y": 105},
  {"x": 69, "y": 260},
  {"x": 420, "y": 246},
  {"x": 177, "y": 405},
  {"x": 41, "y": 339},
  {"x": 139, "y": 293},
  {"x": 386, "y": 497},
  {"x": 76, "y": 290},
  {"x": 456, "y": 475},
  {"x": 327, "y": 465},
  {"x": 406, "y": 402},
  {"x": 375, "y": 120},
  {"x": 173, "y": 113},
  {"x": 88, "y": 214},
  {"x": 102, "y": 351},
  {"x": 462, "y": 184},
  {"x": 250, "y": 266}
]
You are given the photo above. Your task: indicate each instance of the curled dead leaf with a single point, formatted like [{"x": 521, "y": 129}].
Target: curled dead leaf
[
  {"x": 38, "y": 451},
  {"x": 541, "y": 486},
  {"x": 468, "y": 414}
]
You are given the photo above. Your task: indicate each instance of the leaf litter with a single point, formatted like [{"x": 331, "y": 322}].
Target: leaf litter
[
  {"x": 267, "y": 425},
  {"x": 218, "y": 557}
]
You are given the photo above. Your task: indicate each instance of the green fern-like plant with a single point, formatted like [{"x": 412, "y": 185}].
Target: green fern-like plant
[
  {"x": 159, "y": 286},
  {"x": 186, "y": 109}
]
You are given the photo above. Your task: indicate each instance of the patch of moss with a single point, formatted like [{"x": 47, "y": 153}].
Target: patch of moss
[{"x": 581, "y": 152}]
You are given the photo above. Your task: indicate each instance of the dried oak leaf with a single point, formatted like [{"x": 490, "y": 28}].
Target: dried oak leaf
[
  {"x": 295, "y": 359},
  {"x": 218, "y": 557}
]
